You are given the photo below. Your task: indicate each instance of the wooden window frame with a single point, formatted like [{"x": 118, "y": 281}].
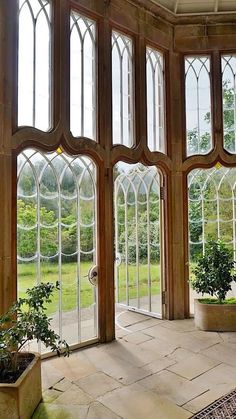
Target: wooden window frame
[{"x": 148, "y": 25}]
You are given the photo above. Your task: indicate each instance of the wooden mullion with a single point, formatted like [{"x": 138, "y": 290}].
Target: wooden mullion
[
  {"x": 56, "y": 65},
  {"x": 63, "y": 62},
  {"x": 217, "y": 111},
  {"x": 140, "y": 97},
  {"x": 104, "y": 85}
]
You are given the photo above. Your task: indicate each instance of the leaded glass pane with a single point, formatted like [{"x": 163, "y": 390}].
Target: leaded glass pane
[
  {"x": 198, "y": 105},
  {"x": 137, "y": 237},
  {"x": 56, "y": 237},
  {"x": 34, "y": 64},
  {"x": 212, "y": 213},
  {"x": 155, "y": 100},
  {"x": 228, "y": 63},
  {"x": 122, "y": 89},
  {"x": 212, "y": 199},
  {"x": 83, "y": 76}
]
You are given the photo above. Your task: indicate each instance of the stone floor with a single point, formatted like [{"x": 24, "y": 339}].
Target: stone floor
[{"x": 156, "y": 369}]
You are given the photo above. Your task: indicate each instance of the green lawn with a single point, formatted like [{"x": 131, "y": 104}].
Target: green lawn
[
  {"x": 49, "y": 273},
  {"x": 143, "y": 281}
]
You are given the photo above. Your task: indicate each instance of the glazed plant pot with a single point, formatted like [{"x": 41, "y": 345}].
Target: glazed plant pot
[
  {"x": 19, "y": 400},
  {"x": 215, "y": 317}
]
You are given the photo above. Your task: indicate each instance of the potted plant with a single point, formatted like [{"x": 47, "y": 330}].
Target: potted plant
[
  {"x": 213, "y": 276},
  {"x": 20, "y": 372}
]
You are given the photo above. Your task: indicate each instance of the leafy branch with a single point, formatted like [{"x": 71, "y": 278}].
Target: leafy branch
[
  {"x": 26, "y": 320},
  {"x": 213, "y": 273}
]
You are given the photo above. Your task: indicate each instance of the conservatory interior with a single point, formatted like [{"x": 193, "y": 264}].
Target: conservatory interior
[{"x": 117, "y": 166}]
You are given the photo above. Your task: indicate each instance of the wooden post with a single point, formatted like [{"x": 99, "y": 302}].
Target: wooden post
[
  {"x": 7, "y": 163},
  {"x": 106, "y": 301},
  {"x": 176, "y": 192}
]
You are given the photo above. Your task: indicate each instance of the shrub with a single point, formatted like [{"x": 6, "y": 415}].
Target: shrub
[
  {"x": 24, "y": 321},
  {"x": 213, "y": 273}
]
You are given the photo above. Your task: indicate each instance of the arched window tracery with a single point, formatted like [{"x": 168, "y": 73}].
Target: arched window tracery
[
  {"x": 34, "y": 64},
  {"x": 57, "y": 237},
  {"x": 155, "y": 100},
  {"x": 228, "y": 63},
  {"x": 122, "y": 89},
  {"x": 138, "y": 237},
  {"x": 83, "y": 77},
  {"x": 198, "y": 105}
]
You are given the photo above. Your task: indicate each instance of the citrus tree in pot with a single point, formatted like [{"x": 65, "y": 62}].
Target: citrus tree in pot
[
  {"x": 20, "y": 371},
  {"x": 213, "y": 275}
]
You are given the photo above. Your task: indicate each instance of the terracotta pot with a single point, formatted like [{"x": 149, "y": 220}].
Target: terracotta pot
[
  {"x": 20, "y": 399},
  {"x": 215, "y": 317}
]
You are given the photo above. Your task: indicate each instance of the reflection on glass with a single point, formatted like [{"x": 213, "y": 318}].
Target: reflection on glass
[
  {"x": 34, "y": 64},
  {"x": 198, "y": 105},
  {"x": 83, "y": 77},
  {"x": 56, "y": 227},
  {"x": 155, "y": 100},
  {"x": 122, "y": 89},
  {"x": 137, "y": 237},
  {"x": 229, "y": 104}
]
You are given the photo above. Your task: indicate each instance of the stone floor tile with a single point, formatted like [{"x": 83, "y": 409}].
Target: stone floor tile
[
  {"x": 159, "y": 364},
  {"x": 209, "y": 397},
  {"x": 159, "y": 347},
  {"x": 179, "y": 354},
  {"x": 184, "y": 325},
  {"x": 50, "y": 374},
  {"x": 223, "y": 352},
  {"x": 124, "y": 372},
  {"x": 144, "y": 325},
  {"x": 220, "y": 375},
  {"x": 74, "y": 396},
  {"x": 63, "y": 385},
  {"x": 53, "y": 411},
  {"x": 117, "y": 368},
  {"x": 128, "y": 318},
  {"x": 228, "y": 336},
  {"x": 137, "y": 338},
  {"x": 194, "y": 341},
  {"x": 173, "y": 387},
  {"x": 120, "y": 333},
  {"x": 74, "y": 367},
  {"x": 129, "y": 352},
  {"x": 193, "y": 366},
  {"x": 50, "y": 395},
  {"x": 154, "y": 367},
  {"x": 195, "y": 344},
  {"x": 95, "y": 356},
  {"x": 212, "y": 337},
  {"x": 159, "y": 331},
  {"x": 132, "y": 402},
  {"x": 97, "y": 384},
  {"x": 98, "y": 411}
]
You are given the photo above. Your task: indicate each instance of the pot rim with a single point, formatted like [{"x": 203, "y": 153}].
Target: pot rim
[{"x": 17, "y": 383}]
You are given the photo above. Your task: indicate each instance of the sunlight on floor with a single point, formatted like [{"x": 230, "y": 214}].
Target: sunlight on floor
[{"x": 155, "y": 369}]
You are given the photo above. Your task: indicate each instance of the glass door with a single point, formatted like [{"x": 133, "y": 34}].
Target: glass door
[
  {"x": 57, "y": 238},
  {"x": 138, "y": 238}
]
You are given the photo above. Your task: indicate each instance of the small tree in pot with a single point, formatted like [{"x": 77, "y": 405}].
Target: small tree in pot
[
  {"x": 214, "y": 275},
  {"x": 25, "y": 320}
]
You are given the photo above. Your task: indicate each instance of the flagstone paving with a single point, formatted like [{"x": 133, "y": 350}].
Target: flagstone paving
[{"x": 156, "y": 369}]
